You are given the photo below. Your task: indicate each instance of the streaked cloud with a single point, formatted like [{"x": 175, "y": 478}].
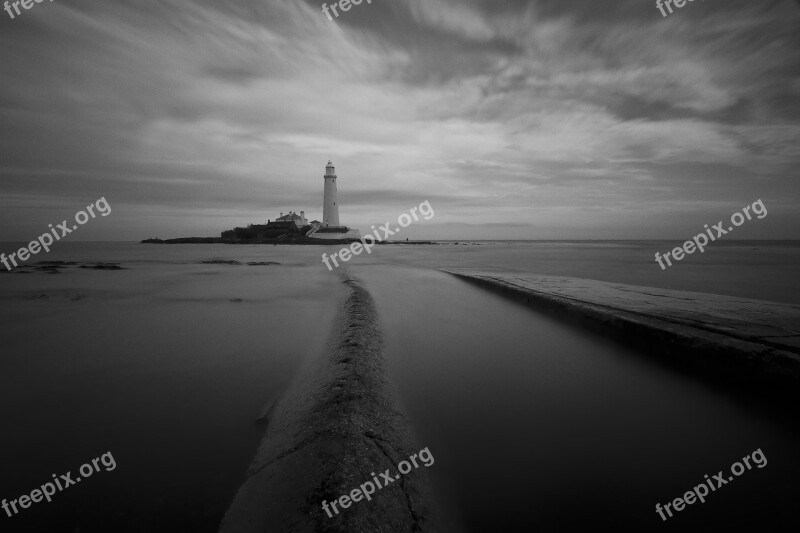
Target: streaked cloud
[{"x": 552, "y": 119}]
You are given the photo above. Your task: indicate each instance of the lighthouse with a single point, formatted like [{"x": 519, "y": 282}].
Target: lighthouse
[
  {"x": 330, "y": 208},
  {"x": 330, "y": 227}
]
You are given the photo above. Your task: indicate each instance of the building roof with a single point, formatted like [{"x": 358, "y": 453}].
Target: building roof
[{"x": 290, "y": 216}]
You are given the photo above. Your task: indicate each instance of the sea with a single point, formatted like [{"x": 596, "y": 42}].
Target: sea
[{"x": 167, "y": 356}]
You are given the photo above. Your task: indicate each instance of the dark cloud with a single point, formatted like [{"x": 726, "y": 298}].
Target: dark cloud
[{"x": 548, "y": 113}]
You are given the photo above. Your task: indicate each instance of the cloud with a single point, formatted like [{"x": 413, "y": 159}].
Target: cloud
[
  {"x": 452, "y": 17},
  {"x": 504, "y": 112}
]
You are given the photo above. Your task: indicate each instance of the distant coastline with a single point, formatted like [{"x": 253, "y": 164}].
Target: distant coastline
[{"x": 295, "y": 239}]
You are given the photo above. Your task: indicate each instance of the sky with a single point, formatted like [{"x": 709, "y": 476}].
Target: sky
[{"x": 514, "y": 119}]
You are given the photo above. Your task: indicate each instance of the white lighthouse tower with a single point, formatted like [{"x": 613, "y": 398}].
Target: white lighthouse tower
[
  {"x": 330, "y": 208},
  {"x": 330, "y": 227}
]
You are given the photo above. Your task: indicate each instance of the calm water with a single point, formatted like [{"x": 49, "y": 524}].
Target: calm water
[
  {"x": 531, "y": 422},
  {"x": 157, "y": 365},
  {"x": 537, "y": 426}
]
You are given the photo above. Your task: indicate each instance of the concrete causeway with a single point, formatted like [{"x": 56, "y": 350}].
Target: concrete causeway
[
  {"x": 754, "y": 340},
  {"x": 331, "y": 430}
]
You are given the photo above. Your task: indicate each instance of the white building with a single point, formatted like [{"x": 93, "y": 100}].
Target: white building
[
  {"x": 330, "y": 209},
  {"x": 299, "y": 220},
  {"x": 330, "y": 227}
]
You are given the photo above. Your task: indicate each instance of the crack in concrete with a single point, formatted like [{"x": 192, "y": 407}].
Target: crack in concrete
[{"x": 415, "y": 527}]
